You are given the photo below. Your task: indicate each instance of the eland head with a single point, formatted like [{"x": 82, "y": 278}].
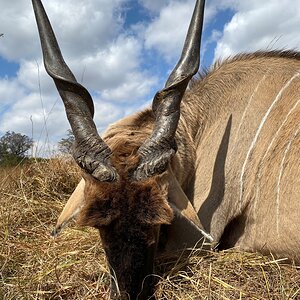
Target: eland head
[{"x": 124, "y": 191}]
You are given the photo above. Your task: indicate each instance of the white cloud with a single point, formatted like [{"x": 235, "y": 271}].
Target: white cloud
[
  {"x": 167, "y": 32},
  {"x": 17, "y": 25},
  {"x": 214, "y": 6},
  {"x": 154, "y": 5},
  {"x": 107, "y": 113},
  {"x": 108, "y": 59},
  {"x": 33, "y": 77},
  {"x": 134, "y": 88},
  {"x": 31, "y": 112},
  {"x": 273, "y": 25},
  {"x": 107, "y": 68},
  {"x": 104, "y": 57},
  {"x": 9, "y": 91},
  {"x": 80, "y": 28}
]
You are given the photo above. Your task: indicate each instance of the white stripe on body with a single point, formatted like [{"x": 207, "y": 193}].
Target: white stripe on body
[
  {"x": 282, "y": 165},
  {"x": 260, "y": 127},
  {"x": 246, "y": 110},
  {"x": 266, "y": 153}
]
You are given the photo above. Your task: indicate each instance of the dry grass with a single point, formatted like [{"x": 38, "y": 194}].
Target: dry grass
[{"x": 72, "y": 266}]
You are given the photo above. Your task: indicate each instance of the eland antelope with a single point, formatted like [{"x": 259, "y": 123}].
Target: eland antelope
[{"x": 218, "y": 161}]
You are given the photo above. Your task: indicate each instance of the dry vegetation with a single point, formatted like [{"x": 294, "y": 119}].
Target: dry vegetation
[{"x": 72, "y": 266}]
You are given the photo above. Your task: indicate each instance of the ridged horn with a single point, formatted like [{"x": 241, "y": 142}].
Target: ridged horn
[
  {"x": 156, "y": 152},
  {"x": 91, "y": 153}
]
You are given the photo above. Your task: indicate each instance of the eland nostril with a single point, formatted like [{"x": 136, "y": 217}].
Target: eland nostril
[{"x": 54, "y": 232}]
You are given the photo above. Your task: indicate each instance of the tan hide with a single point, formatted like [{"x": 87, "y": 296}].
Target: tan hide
[
  {"x": 71, "y": 209},
  {"x": 183, "y": 207}
]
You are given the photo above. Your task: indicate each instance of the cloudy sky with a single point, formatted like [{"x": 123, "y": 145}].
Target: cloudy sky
[{"x": 122, "y": 51}]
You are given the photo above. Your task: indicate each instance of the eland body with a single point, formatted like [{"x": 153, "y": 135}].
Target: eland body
[{"x": 221, "y": 165}]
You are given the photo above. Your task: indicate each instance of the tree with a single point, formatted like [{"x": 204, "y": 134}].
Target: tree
[
  {"x": 13, "y": 147},
  {"x": 65, "y": 145}
]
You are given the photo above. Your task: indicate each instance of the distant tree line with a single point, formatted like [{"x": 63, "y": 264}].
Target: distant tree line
[
  {"x": 13, "y": 148},
  {"x": 65, "y": 145}
]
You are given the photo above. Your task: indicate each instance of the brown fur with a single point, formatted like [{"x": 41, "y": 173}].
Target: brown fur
[
  {"x": 106, "y": 202},
  {"x": 236, "y": 173},
  {"x": 214, "y": 135},
  {"x": 145, "y": 201},
  {"x": 128, "y": 215}
]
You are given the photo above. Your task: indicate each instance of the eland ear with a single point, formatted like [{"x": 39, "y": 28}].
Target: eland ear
[
  {"x": 71, "y": 209},
  {"x": 183, "y": 207}
]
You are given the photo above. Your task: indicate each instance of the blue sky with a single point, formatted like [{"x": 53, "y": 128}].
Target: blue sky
[
  {"x": 7, "y": 68},
  {"x": 122, "y": 51}
]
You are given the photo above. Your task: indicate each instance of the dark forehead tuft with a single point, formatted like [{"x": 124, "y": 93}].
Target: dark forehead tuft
[{"x": 144, "y": 201}]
